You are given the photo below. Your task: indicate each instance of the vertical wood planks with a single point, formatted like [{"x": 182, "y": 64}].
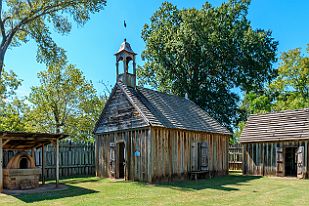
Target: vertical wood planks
[
  {"x": 268, "y": 158},
  {"x": 1, "y": 166},
  {"x": 57, "y": 162},
  {"x": 43, "y": 163},
  {"x": 166, "y": 154}
]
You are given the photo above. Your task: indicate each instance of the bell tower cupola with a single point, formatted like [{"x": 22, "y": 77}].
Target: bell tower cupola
[{"x": 126, "y": 55}]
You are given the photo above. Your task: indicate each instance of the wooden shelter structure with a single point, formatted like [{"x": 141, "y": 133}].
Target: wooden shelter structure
[
  {"x": 151, "y": 136},
  {"x": 25, "y": 141},
  {"x": 276, "y": 144}
]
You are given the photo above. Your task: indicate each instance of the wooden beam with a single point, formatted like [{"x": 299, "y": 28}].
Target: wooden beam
[
  {"x": 5, "y": 142},
  {"x": 1, "y": 166},
  {"x": 57, "y": 163},
  {"x": 43, "y": 165}
]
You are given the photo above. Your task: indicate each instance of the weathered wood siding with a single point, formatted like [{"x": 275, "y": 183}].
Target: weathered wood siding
[
  {"x": 119, "y": 114},
  {"x": 267, "y": 158},
  {"x": 174, "y": 153},
  {"x": 136, "y": 166},
  {"x": 165, "y": 154}
]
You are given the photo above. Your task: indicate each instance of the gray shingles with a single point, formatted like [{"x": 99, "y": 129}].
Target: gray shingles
[
  {"x": 171, "y": 111},
  {"x": 286, "y": 125}
]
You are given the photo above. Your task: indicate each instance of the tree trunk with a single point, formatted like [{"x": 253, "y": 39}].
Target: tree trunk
[
  {"x": 58, "y": 129},
  {"x": 2, "y": 53}
]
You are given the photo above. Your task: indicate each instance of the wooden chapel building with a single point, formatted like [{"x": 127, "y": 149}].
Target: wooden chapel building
[{"x": 151, "y": 136}]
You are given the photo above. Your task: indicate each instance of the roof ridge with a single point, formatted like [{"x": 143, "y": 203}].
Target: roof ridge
[
  {"x": 282, "y": 111},
  {"x": 172, "y": 95}
]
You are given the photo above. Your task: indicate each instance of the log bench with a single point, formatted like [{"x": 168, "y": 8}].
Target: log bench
[{"x": 195, "y": 175}]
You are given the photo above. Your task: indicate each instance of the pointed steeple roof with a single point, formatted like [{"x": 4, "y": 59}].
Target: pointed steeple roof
[{"x": 125, "y": 46}]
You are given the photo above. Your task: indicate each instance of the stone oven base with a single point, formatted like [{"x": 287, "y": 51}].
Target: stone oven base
[{"x": 15, "y": 179}]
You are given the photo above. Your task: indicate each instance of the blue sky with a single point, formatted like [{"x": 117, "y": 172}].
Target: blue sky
[{"x": 92, "y": 46}]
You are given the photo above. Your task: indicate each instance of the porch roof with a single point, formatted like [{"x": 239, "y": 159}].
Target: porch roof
[{"x": 27, "y": 140}]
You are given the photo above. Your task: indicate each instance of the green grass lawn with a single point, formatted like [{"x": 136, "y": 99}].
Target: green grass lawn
[{"x": 231, "y": 190}]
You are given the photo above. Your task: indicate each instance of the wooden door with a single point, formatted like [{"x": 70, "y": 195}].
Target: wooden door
[
  {"x": 300, "y": 162},
  {"x": 112, "y": 159},
  {"x": 121, "y": 160},
  {"x": 280, "y": 165}
]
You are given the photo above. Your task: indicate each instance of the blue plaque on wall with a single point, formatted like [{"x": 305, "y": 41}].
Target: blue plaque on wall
[{"x": 137, "y": 153}]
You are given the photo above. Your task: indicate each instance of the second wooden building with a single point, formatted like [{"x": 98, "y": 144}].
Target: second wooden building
[{"x": 276, "y": 144}]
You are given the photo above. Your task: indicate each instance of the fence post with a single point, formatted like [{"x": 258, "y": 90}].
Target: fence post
[
  {"x": 43, "y": 164},
  {"x": 57, "y": 163},
  {"x": 1, "y": 165}
]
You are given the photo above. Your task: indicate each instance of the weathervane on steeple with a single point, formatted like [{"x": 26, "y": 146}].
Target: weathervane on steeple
[
  {"x": 125, "y": 54},
  {"x": 125, "y": 26}
]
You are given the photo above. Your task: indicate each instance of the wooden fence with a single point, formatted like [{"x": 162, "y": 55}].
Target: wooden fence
[
  {"x": 235, "y": 157},
  {"x": 75, "y": 159}
]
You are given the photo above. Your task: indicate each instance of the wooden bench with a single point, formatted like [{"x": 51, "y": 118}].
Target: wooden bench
[{"x": 195, "y": 175}]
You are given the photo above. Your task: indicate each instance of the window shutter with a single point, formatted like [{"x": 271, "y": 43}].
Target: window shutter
[{"x": 203, "y": 156}]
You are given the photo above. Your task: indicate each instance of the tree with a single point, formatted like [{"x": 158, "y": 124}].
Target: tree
[
  {"x": 207, "y": 53},
  {"x": 12, "y": 108},
  {"x": 22, "y": 20},
  {"x": 292, "y": 84},
  {"x": 289, "y": 91},
  {"x": 64, "y": 102}
]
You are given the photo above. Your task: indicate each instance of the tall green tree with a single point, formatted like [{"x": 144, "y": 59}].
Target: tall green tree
[
  {"x": 207, "y": 53},
  {"x": 290, "y": 90},
  {"x": 12, "y": 108},
  {"x": 64, "y": 102},
  {"x": 22, "y": 20}
]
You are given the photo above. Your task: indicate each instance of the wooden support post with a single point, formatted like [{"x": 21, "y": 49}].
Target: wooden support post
[
  {"x": 43, "y": 165},
  {"x": 1, "y": 166},
  {"x": 33, "y": 155},
  {"x": 306, "y": 159},
  {"x": 149, "y": 158},
  {"x": 57, "y": 163},
  {"x": 243, "y": 147}
]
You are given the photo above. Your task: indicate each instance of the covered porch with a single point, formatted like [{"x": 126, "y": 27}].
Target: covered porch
[{"x": 25, "y": 141}]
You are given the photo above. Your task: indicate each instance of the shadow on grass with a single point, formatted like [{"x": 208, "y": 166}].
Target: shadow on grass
[
  {"x": 226, "y": 183},
  {"x": 80, "y": 180},
  {"x": 70, "y": 191}
]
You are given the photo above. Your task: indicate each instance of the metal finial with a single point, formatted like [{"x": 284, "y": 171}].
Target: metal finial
[{"x": 125, "y": 26}]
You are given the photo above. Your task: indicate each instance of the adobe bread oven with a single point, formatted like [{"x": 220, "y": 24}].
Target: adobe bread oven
[{"x": 21, "y": 173}]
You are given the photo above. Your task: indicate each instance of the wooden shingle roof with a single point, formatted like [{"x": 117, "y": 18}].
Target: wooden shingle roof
[
  {"x": 170, "y": 111},
  {"x": 279, "y": 126},
  {"x": 27, "y": 140}
]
